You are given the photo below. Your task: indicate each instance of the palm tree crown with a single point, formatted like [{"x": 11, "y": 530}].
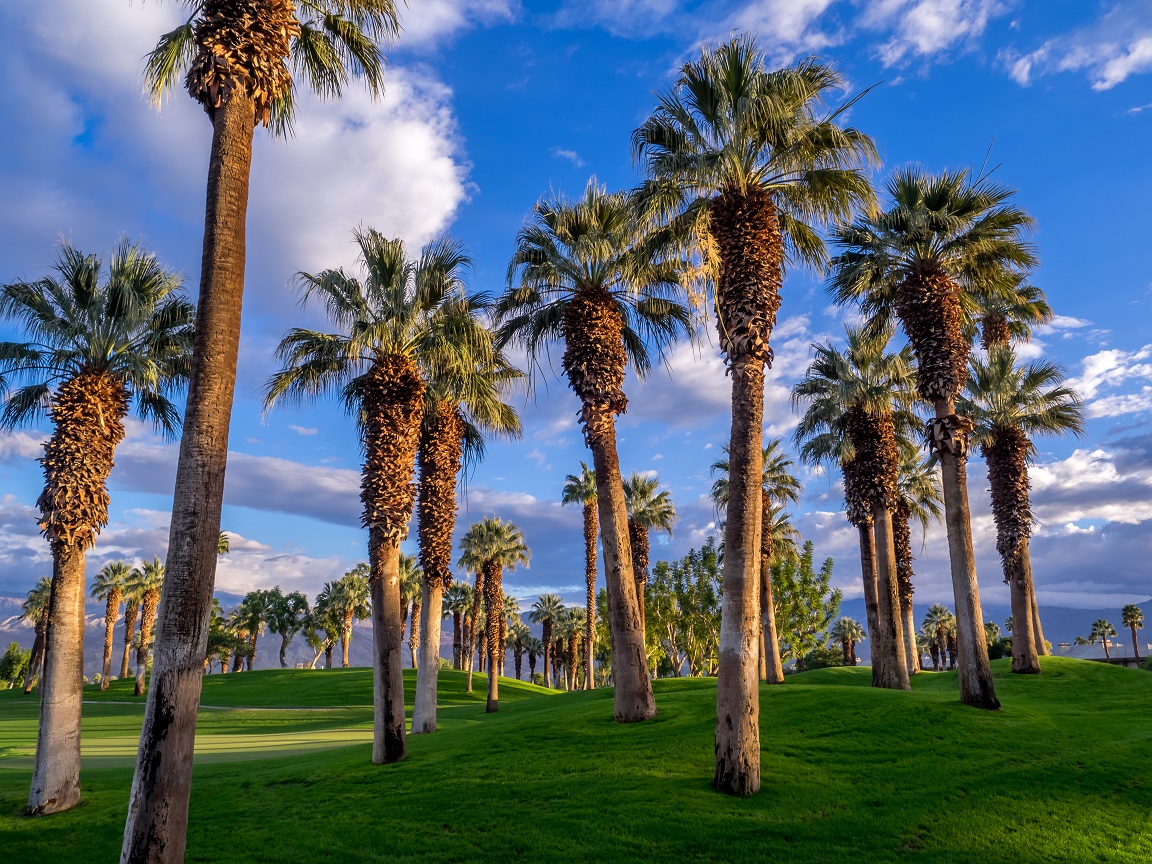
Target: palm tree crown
[{"x": 779, "y": 481}]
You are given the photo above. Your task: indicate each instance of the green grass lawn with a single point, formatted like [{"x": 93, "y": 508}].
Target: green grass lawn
[{"x": 1061, "y": 774}]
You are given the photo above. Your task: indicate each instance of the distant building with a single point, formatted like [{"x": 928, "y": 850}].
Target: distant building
[{"x": 1119, "y": 653}]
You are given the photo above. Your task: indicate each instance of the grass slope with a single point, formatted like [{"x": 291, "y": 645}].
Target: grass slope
[{"x": 850, "y": 773}]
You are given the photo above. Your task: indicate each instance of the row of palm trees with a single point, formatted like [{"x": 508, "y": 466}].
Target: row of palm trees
[{"x": 1132, "y": 618}]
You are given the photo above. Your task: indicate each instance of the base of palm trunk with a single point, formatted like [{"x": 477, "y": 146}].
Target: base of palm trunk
[
  {"x": 428, "y": 660},
  {"x": 492, "y": 706},
  {"x": 388, "y": 742}
]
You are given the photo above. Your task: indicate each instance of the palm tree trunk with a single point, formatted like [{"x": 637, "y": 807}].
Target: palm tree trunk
[
  {"x": 1025, "y": 658},
  {"x": 902, "y": 539},
  {"x": 632, "y": 696},
  {"x": 773, "y": 672},
  {"x": 345, "y": 641},
  {"x": 36, "y": 660},
  {"x": 477, "y": 597},
  {"x": 157, "y": 823},
  {"x": 428, "y": 657},
  {"x": 1037, "y": 629},
  {"x": 457, "y": 639},
  {"x": 414, "y": 636},
  {"x": 889, "y": 663},
  {"x": 131, "y": 612},
  {"x": 975, "y": 674},
  {"x": 910, "y": 638},
  {"x": 250, "y": 660},
  {"x": 328, "y": 656},
  {"x": 56, "y": 770},
  {"x": 1104, "y": 642},
  {"x": 493, "y": 601},
  {"x": 546, "y": 638},
  {"x": 590, "y": 529},
  {"x": 111, "y": 613},
  {"x": 868, "y": 577},
  {"x": 283, "y": 651},
  {"x": 737, "y": 688},
  {"x": 147, "y": 622},
  {"x": 388, "y": 744}
]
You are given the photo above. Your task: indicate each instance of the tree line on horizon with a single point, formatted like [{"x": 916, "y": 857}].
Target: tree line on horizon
[{"x": 749, "y": 172}]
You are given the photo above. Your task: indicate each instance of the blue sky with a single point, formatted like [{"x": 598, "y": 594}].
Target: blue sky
[{"x": 491, "y": 104}]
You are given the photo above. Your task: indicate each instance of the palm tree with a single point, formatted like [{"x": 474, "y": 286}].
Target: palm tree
[
  {"x": 509, "y": 618},
  {"x": 411, "y": 585},
  {"x": 1009, "y": 405},
  {"x": 461, "y": 404},
  {"x": 848, "y": 633},
  {"x": 490, "y": 547},
  {"x": 575, "y": 622},
  {"x": 223, "y": 544},
  {"x": 457, "y": 600},
  {"x": 285, "y": 615},
  {"x": 1132, "y": 617},
  {"x": 647, "y": 509},
  {"x": 938, "y": 621},
  {"x": 97, "y": 341},
  {"x": 518, "y": 635},
  {"x": 253, "y": 611},
  {"x": 534, "y": 648},
  {"x": 751, "y": 160},
  {"x": 547, "y": 609},
  {"x": 131, "y": 615},
  {"x": 940, "y": 235},
  {"x": 398, "y": 328},
  {"x": 856, "y": 402},
  {"x": 146, "y": 582},
  {"x": 348, "y": 597},
  {"x": 237, "y": 58},
  {"x": 109, "y": 587},
  {"x": 1101, "y": 632},
  {"x": 917, "y": 497},
  {"x": 35, "y": 610},
  {"x": 585, "y": 274},
  {"x": 581, "y": 489},
  {"x": 779, "y": 487}
]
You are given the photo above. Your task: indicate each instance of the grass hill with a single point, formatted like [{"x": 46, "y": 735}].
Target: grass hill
[{"x": 1062, "y": 773}]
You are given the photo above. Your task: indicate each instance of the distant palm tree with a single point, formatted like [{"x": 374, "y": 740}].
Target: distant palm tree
[
  {"x": 411, "y": 585},
  {"x": 517, "y": 634},
  {"x": 1005, "y": 309},
  {"x": 509, "y": 617},
  {"x": 779, "y": 487},
  {"x": 457, "y": 600},
  {"x": 145, "y": 582},
  {"x": 918, "y": 497},
  {"x": 98, "y": 339},
  {"x": 1010, "y": 404},
  {"x": 34, "y": 609},
  {"x": 326, "y": 617},
  {"x": 1132, "y": 617},
  {"x": 1102, "y": 631},
  {"x": 547, "y": 609},
  {"x": 991, "y": 632},
  {"x": 581, "y": 489},
  {"x": 109, "y": 587},
  {"x": 253, "y": 612},
  {"x": 937, "y": 622},
  {"x": 585, "y": 274},
  {"x": 534, "y": 648},
  {"x": 490, "y": 547},
  {"x": 648, "y": 509},
  {"x": 574, "y": 624},
  {"x": 349, "y": 600},
  {"x": 848, "y": 633},
  {"x": 131, "y": 617}
]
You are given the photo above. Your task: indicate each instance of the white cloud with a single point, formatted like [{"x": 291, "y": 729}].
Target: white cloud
[
  {"x": 922, "y": 28},
  {"x": 21, "y": 445},
  {"x": 425, "y": 22},
  {"x": 784, "y": 27},
  {"x": 571, "y": 155},
  {"x": 1110, "y": 369},
  {"x": 303, "y": 430}
]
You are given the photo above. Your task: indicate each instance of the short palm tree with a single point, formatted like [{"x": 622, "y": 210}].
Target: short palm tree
[
  {"x": 918, "y": 497},
  {"x": 648, "y": 509},
  {"x": 457, "y": 600},
  {"x": 131, "y": 617},
  {"x": 546, "y": 611},
  {"x": 241, "y": 60},
  {"x": 253, "y": 613},
  {"x": 348, "y": 597},
  {"x": 1132, "y": 617},
  {"x": 98, "y": 340},
  {"x": 581, "y": 489},
  {"x": 406, "y": 322},
  {"x": 855, "y": 402},
  {"x": 585, "y": 274},
  {"x": 509, "y": 618},
  {"x": 534, "y": 648},
  {"x": 326, "y": 618},
  {"x": 940, "y": 235},
  {"x": 1004, "y": 309},
  {"x": 518, "y": 633},
  {"x": 1102, "y": 631},
  {"x": 939, "y": 622},
  {"x": 145, "y": 582},
  {"x": 848, "y": 633},
  {"x": 109, "y": 587},
  {"x": 779, "y": 487},
  {"x": 490, "y": 547},
  {"x": 1010, "y": 404},
  {"x": 34, "y": 609},
  {"x": 753, "y": 161}
]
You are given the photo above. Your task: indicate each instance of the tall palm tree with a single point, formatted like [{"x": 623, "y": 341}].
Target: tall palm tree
[
  {"x": 581, "y": 489},
  {"x": 848, "y": 633},
  {"x": 752, "y": 160},
  {"x": 35, "y": 610},
  {"x": 779, "y": 486},
  {"x": 547, "y": 609},
  {"x": 918, "y": 497},
  {"x": 856, "y": 400},
  {"x": 461, "y": 404},
  {"x": 241, "y": 60},
  {"x": 1010, "y": 404},
  {"x": 98, "y": 339},
  {"x": 411, "y": 585},
  {"x": 109, "y": 587},
  {"x": 490, "y": 547},
  {"x": 1102, "y": 631},
  {"x": 349, "y": 600},
  {"x": 146, "y": 582},
  {"x": 941, "y": 233},
  {"x": 398, "y": 327},
  {"x": 648, "y": 509},
  {"x": 1132, "y": 617},
  {"x": 585, "y": 274}
]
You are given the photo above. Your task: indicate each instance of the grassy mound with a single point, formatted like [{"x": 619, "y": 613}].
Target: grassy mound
[{"x": 1062, "y": 773}]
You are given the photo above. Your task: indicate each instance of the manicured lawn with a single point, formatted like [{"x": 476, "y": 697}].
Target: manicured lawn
[{"x": 1062, "y": 773}]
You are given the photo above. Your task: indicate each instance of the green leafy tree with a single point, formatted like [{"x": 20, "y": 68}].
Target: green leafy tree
[
  {"x": 581, "y": 489},
  {"x": 13, "y": 665},
  {"x": 806, "y": 604},
  {"x": 1132, "y": 617},
  {"x": 686, "y": 617},
  {"x": 285, "y": 615}
]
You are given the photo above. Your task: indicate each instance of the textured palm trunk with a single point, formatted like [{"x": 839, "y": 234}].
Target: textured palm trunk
[
  {"x": 1135, "y": 644},
  {"x": 772, "y": 669},
  {"x": 1037, "y": 628},
  {"x": 914, "y": 666},
  {"x": 147, "y": 622},
  {"x": 890, "y": 665},
  {"x": 36, "y": 660},
  {"x": 428, "y": 657},
  {"x": 501, "y": 652},
  {"x": 1025, "y": 660},
  {"x": 518, "y": 659},
  {"x": 477, "y": 599},
  {"x": 902, "y": 538},
  {"x": 250, "y": 660},
  {"x": 737, "y": 769},
  {"x": 56, "y": 770},
  {"x": 494, "y": 607},
  {"x": 638, "y": 544},
  {"x": 868, "y": 577},
  {"x": 345, "y": 641},
  {"x": 328, "y": 656},
  {"x": 414, "y": 636},
  {"x": 131, "y": 612},
  {"x": 111, "y": 613},
  {"x": 225, "y": 656},
  {"x": 388, "y": 743},
  {"x": 457, "y": 639},
  {"x": 590, "y": 529},
  {"x": 157, "y": 824},
  {"x": 546, "y": 638}
]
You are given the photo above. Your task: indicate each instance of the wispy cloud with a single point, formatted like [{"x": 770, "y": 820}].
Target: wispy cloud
[
  {"x": 303, "y": 430},
  {"x": 571, "y": 155}
]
